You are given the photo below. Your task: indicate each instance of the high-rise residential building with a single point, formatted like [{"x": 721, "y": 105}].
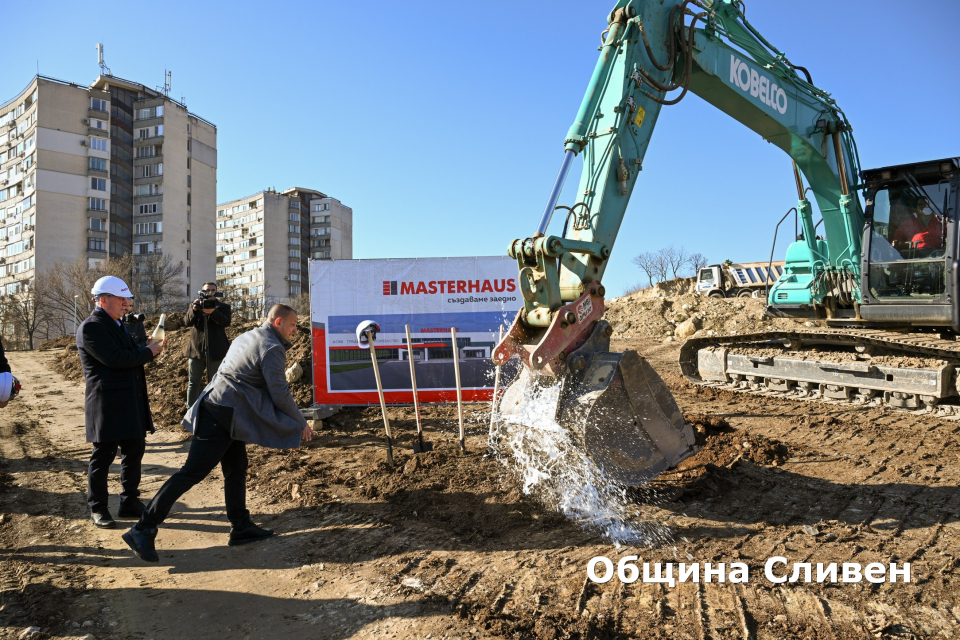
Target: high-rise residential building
[
  {"x": 102, "y": 171},
  {"x": 264, "y": 242}
]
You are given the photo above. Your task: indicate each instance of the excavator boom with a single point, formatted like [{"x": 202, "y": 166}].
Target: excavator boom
[{"x": 616, "y": 404}]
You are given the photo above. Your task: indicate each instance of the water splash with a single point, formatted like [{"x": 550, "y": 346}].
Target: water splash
[{"x": 556, "y": 471}]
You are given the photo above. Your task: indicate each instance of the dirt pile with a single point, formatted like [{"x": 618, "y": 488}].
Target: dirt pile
[
  {"x": 167, "y": 374},
  {"x": 654, "y": 313}
]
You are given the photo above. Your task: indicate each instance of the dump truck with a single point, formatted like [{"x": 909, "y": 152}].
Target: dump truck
[{"x": 737, "y": 280}]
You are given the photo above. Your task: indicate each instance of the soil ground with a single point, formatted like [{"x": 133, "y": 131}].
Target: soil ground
[{"x": 446, "y": 545}]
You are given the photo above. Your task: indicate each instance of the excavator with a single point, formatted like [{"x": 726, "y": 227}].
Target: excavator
[{"x": 881, "y": 277}]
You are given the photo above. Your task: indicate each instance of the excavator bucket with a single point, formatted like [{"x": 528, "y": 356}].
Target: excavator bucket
[{"x": 616, "y": 408}]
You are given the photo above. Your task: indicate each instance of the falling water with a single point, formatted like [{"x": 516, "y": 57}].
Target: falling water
[{"x": 558, "y": 473}]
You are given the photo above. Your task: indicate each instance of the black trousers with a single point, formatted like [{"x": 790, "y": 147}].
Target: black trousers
[
  {"x": 104, "y": 453},
  {"x": 211, "y": 445}
]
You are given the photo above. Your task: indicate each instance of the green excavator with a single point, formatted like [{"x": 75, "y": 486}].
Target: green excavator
[{"x": 882, "y": 275}]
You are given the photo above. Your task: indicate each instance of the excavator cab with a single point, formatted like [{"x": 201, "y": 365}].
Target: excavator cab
[{"x": 910, "y": 244}]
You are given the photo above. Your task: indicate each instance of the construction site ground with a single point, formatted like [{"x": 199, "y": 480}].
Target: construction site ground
[{"x": 447, "y": 546}]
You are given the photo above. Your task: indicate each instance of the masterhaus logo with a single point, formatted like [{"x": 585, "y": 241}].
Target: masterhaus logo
[{"x": 421, "y": 287}]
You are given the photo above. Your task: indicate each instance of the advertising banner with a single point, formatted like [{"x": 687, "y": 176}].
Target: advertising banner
[{"x": 474, "y": 295}]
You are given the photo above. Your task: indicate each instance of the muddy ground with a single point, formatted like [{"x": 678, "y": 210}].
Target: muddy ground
[{"x": 446, "y": 545}]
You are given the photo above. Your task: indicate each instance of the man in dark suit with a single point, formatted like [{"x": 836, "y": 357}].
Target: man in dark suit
[{"x": 116, "y": 407}]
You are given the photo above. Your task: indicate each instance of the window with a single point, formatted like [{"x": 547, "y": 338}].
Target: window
[
  {"x": 160, "y": 111},
  {"x": 98, "y": 124},
  {"x": 295, "y": 242},
  {"x": 294, "y": 228},
  {"x": 141, "y": 228},
  {"x": 294, "y": 217},
  {"x": 294, "y": 290},
  {"x": 147, "y": 170},
  {"x": 96, "y": 244},
  {"x": 294, "y": 253},
  {"x": 97, "y": 104},
  {"x": 295, "y": 277},
  {"x": 98, "y": 164},
  {"x": 98, "y": 204},
  {"x": 148, "y": 152},
  {"x": 221, "y": 213},
  {"x": 98, "y": 143},
  {"x": 148, "y": 190},
  {"x": 98, "y": 184},
  {"x": 907, "y": 244},
  {"x": 144, "y": 114},
  {"x": 146, "y": 209},
  {"x": 143, "y": 248},
  {"x": 98, "y": 224},
  {"x": 188, "y": 199},
  {"x": 188, "y": 180}
]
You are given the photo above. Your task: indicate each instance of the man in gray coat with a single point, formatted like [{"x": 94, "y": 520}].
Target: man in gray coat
[{"x": 248, "y": 400}]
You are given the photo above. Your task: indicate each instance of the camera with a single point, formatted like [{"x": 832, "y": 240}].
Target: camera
[
  {"x": 135, "y": 328},
  {"x": 207, "y": 300}
]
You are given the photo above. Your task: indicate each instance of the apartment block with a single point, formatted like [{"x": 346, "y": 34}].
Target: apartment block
[
  {"x": 265, "y": 240},
  {"x": 104, "y": 170}
]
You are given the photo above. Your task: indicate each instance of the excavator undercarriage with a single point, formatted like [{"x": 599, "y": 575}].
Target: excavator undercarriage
[{"x": 915, "y": 372}]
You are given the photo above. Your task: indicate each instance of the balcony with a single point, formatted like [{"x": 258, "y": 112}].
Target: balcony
[
  {"x": 146, "y": 142},
  {"x": 96, "y": 113}
]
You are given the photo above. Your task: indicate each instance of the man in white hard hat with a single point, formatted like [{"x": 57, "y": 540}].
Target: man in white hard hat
[{"x": 116, "y": 408}]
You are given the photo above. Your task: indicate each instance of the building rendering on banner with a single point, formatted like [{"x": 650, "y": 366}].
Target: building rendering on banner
[
  {"x": 102, "y": 171},
  {"x": 264, "y": 242}
]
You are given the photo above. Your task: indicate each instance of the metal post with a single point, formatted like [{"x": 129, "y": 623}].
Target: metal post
[
  {"x": 75, "y": 312},
  {"x": 383, "y": 403},
  {"x": 456, "y": 371},
  {"x": 555, "y": 194},
  {"x": 413, "y": 384},
  {"x": 491, "y": 443}
]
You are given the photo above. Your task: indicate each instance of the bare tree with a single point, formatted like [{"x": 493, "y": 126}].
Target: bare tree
[
  {"x": 653, "y": 264},
  {"x": 696, "y": 261},
  {"x": 68, "y": 288},
  {"x": 27, "y": 310},
  {"x": 301, "y": 304},
  {"x": 675, "y": 258},
  {"x": 160, "y": 284}
]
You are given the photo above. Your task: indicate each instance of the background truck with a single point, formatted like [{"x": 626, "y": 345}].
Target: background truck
[{"x": 732, "y": 280}]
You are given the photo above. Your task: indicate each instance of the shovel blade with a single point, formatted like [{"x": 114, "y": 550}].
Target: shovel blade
[{"x": 427, "y": 446}]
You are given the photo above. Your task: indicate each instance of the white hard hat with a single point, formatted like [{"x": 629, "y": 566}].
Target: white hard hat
[
  {"x": 112, "y": 285},
  {"x": 9, "y": 387}
]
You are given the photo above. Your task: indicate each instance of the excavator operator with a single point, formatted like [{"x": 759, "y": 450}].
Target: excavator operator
[{"x": 923, "y": 230}]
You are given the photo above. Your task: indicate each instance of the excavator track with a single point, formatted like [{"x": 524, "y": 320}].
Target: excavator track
[{"x": 779, "y": 364}]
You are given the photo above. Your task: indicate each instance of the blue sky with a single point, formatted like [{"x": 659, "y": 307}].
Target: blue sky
[{"x": 442, "y": 124}]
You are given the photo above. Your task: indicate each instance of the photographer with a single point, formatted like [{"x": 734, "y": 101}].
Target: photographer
[{"x": 208, "y": 319}]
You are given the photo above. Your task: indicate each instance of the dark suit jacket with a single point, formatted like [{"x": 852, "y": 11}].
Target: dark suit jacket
[
  {"x": 218, "y": 321},
  {"x": 4, "y": 365},
  {"x": 116, "y": 406}
]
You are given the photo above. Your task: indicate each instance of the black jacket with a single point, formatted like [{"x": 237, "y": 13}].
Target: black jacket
[
  {"x": 218, "y": 322},
  {"x": 116, "y": 405},
  {"x": 4, "y": 365}
]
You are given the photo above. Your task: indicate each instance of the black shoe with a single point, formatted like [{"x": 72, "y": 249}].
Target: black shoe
[
  {"x": 142, "y": 543},
  {"x": 131, "y": 509},
  {"x": 249, "y": 532},
  {"x": 103, "y": 520}
]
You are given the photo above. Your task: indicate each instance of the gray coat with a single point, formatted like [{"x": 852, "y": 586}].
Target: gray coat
[{"x": 252, "y": 381}]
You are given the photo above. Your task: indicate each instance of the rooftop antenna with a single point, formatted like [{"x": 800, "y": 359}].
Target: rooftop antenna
[
  {"x": 104, "y": 69},
  {"x": 167, "y": 82}
]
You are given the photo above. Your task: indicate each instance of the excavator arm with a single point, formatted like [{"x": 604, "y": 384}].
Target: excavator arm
[{"x": 650, "y": 49}]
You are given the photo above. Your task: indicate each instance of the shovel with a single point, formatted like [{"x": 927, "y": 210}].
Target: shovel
[{"x": 419, "y": 446}]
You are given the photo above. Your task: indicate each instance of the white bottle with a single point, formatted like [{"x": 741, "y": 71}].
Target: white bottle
[{"x": 159, "y": 334}]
